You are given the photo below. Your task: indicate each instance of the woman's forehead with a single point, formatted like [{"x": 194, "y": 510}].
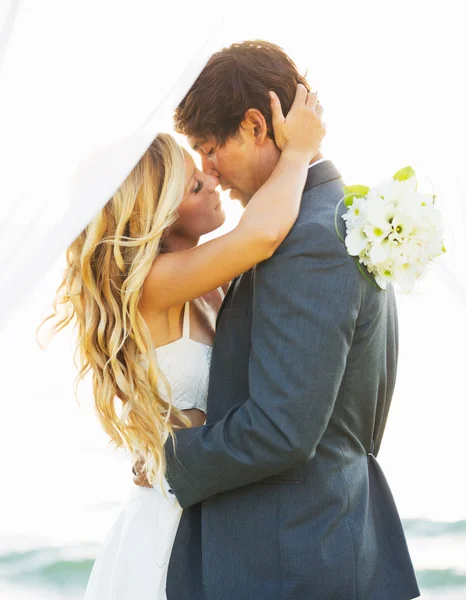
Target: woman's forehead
[{"x": 188, "y": 160}]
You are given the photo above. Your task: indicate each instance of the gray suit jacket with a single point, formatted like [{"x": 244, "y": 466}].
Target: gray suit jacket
[{"x": 284, "y": 498}]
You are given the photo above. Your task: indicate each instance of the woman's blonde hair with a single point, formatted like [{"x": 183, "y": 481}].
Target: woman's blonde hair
[{"x": 101, "y": 288}]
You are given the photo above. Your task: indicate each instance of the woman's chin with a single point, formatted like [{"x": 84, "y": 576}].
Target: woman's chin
[{"x": 220, "y": 218}]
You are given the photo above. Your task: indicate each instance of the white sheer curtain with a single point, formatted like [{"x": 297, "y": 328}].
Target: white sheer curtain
[{"x": 84, "y": 88}]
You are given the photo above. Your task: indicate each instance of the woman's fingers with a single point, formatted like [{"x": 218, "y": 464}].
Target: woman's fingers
[
  {"x": 302, "y": 127},
  {"x": 276, "y": 108},
  {"x": 300, "y": 96},
  {"x": 311, "y": 100},
  {"x": 319, "y": 110}
]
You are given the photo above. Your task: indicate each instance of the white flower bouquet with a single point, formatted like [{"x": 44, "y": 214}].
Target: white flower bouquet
[{"x": 392, "y": 229}]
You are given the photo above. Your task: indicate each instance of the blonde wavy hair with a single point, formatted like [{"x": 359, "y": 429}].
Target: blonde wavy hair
[{"x": 100, "y": 291}]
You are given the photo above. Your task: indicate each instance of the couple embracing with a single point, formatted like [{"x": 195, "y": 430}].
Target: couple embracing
[{"x": 251, "y": 376}]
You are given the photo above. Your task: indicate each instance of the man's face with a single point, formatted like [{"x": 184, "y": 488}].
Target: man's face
[
  {"x": 245, "y": 161},
  {"x": 234, "y": 163}
]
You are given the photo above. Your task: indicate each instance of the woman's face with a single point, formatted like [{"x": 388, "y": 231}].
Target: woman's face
[{"x": 201, "y": 210}]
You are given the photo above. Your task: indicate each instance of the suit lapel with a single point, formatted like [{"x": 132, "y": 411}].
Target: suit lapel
[{"x": 226, "y": 299}]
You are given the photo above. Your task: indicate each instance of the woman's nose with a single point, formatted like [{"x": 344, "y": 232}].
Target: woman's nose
[{"x": 213, "y": 179}]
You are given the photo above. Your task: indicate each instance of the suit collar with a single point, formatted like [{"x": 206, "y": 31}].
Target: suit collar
[{"x": 321, "y": 173}]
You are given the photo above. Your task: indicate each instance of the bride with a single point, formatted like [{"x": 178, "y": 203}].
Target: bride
[{"x": 144, "y": 296}]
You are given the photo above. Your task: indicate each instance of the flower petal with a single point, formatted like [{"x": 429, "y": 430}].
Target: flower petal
[
  {"x": 355, "y": 242},
  {"x": 381, "y": 282},
  {"x": 406, "y": 277},
  {"x": 380, "y": 252}
]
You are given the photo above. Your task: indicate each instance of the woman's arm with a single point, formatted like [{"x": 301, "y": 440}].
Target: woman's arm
[{"x": 177, "y": 277}]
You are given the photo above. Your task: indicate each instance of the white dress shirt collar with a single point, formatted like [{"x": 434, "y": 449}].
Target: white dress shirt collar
[{"x": 317, "y": 162}]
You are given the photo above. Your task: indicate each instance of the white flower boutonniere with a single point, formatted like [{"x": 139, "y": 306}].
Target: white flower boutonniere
[{"x": 392, "y": 229}]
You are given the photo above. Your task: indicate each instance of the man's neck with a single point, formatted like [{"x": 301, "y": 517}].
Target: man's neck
[
  {"x": 317, "y": 157},
  {"x": 271, "y": 166}
]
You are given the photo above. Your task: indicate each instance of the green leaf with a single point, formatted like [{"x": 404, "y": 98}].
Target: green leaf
[
  {"x": 336, "y": 221},
  {"x": 404, "y": 174},
  {"x": 354, "y": 191},
  {"x": 368, "y": 277}
]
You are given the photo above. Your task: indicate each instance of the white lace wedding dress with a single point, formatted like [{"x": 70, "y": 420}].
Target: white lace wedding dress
[{"x": 133, "y": 562}]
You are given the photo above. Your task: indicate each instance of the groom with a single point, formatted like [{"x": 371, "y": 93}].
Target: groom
[{"x": 283, "y": 496}]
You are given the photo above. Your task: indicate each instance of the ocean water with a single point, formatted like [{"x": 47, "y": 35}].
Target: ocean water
[{"x": 34, "y": 569}]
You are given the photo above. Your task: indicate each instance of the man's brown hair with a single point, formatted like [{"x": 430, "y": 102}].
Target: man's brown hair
[{"x": 234, "y": 80}]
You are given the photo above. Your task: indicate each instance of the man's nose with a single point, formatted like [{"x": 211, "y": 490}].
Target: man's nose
[{"x": 208, "y": 166}]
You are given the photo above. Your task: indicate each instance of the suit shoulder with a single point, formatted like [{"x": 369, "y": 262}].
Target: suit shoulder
[
  {"x": 319, "y": 218},
  {"x": 320, "y": 203}
]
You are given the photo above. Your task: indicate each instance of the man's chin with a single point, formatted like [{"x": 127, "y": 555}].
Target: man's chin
[{"x": 236, "y": 194}]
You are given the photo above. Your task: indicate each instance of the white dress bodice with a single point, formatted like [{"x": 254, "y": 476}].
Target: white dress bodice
[{"x": 186, "y": 365}]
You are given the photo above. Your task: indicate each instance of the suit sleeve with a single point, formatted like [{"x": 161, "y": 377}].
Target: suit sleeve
[{"x": 305, "y": 307}]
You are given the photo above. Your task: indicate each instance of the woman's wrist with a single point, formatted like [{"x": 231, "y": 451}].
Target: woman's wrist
[{"x": 300, "y": 155}]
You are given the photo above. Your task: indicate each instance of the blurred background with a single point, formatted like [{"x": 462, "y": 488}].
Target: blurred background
[{"x": 391, "y": 78}]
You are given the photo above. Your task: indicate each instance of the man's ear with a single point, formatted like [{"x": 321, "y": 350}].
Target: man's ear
[{"x": 255, "y": 124}]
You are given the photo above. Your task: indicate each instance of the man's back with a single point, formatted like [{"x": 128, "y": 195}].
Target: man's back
[{"x": 327, "y": 527}]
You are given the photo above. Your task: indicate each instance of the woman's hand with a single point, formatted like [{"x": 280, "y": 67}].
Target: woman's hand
[
  {"x": 302, "y": 130},
  {"x": 197, "y": 418}
]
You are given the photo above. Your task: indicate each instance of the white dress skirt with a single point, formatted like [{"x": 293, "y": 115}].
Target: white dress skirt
[{"x": 133, "y": 562}]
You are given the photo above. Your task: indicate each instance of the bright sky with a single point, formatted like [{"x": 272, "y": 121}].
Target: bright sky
[{"x": 390, "y": 77}]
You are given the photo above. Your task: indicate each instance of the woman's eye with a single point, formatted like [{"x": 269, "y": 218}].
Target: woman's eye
[
  {"x": 210, "y": 153},
  {"x": 199, "y": 186}
]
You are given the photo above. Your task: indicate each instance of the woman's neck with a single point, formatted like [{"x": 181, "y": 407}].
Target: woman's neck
[{"x": 176, "y": 243}]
